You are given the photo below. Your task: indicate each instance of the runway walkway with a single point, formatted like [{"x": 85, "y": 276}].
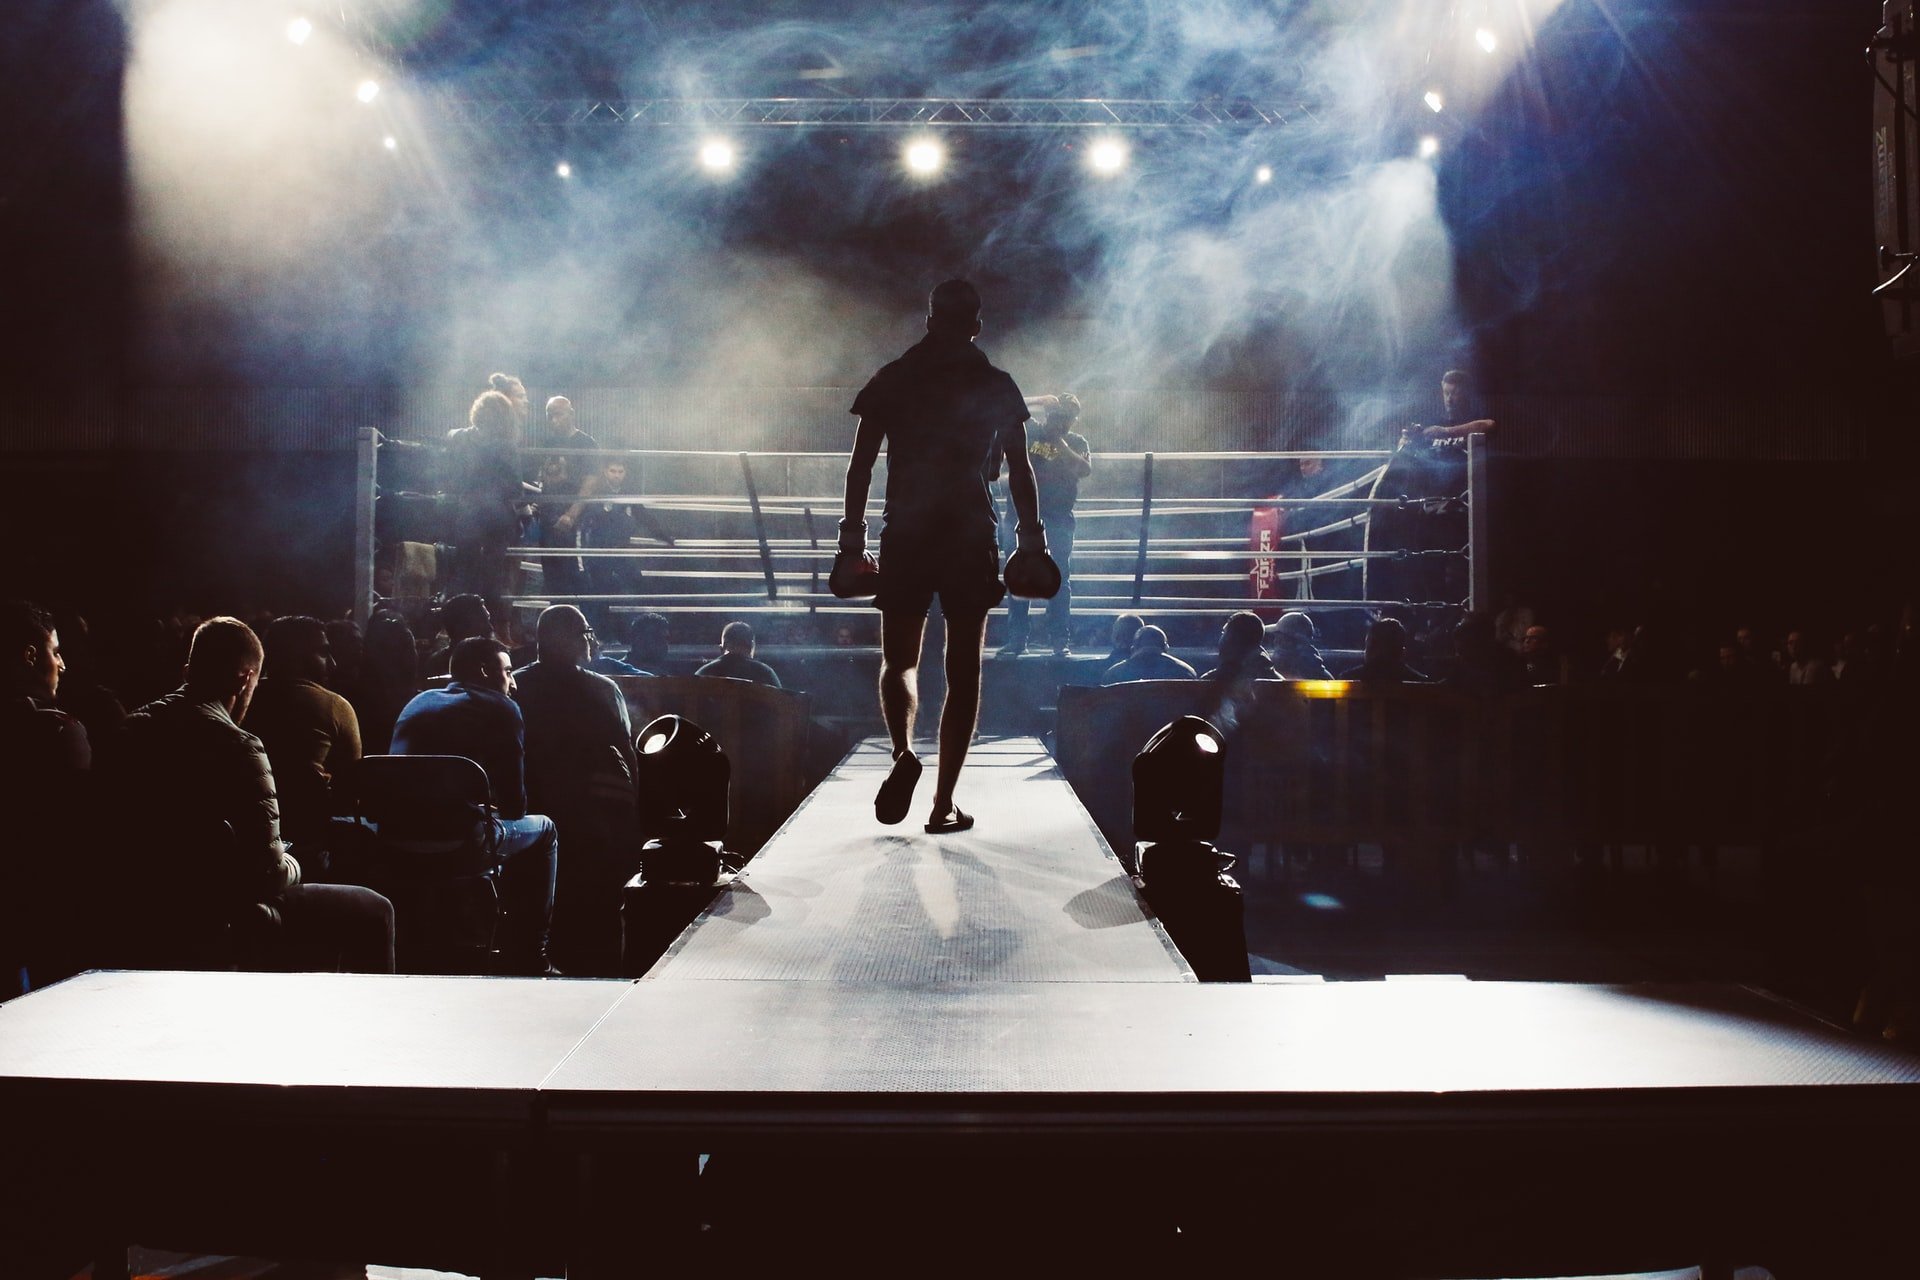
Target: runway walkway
[{"x": 1031, "y": 894}]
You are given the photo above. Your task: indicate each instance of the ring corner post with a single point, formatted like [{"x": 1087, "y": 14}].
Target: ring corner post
[
  {"x": 365, "y": 498},
  {"x": 1479, "y": 591}
]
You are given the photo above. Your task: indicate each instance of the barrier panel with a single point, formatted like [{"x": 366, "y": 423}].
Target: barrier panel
[{"x": 1333, "y": 762}]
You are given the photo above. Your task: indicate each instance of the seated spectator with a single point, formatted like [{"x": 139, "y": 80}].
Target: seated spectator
[
  {"x": 47, "y": 739},
  {"x": 649, "y": 642},
  {"x": 311, "y": 734},
  {"x": 1148, "y": 661},
  {"x": 736, "y": 660},
  {"x": 461, "y": 617},
  {"x": 1241, "y": 655},
  {"x": 1482, "y": 665},
  {"x": 43, "y": 786},
  {"x": 602, "y": 662},
  {"x": 1385, "y": 656},
  {"x": 1731, "y": 672},
  {"x": 1619, "y": 652},
  {"x": 1295, "y": 655},
  {"x": 389, "y": 676},
  {"x": 82, "y": 696},
  {"x": 209, "y": 788},
  {"x": 348, "y": 644},
  {"x": 1805, "y": 666},
  {"x": 1125, "y": 628},
  {"x": 475, "y": 716},
  {"x": 1757, "y": 653},
  {"x": 1543, "y": 661},
  {"x": 580, "y": 772},
  {"x": 1511, "y": 623}
]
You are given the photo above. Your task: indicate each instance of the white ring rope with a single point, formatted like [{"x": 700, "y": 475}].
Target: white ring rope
[{"x": 806, "y": 556}]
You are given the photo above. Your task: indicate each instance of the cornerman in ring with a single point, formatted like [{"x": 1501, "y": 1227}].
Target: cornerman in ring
[{"x": 948, "y": 418}]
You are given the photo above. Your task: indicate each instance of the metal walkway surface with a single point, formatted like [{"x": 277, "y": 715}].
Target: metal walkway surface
[{"x": 1031, "y": 894}]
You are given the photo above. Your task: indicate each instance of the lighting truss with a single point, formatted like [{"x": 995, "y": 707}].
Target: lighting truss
[{"x": 879, "y": 113}]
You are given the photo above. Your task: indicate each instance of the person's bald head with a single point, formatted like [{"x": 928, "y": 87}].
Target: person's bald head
[
  {"x": 564, "y": 635},
  {"x": 560, "y": 415}
]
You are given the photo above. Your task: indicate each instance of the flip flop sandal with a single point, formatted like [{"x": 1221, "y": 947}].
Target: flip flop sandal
[
  {"x": 955, "y": 821},
  {"x": 896, "y": 793}
]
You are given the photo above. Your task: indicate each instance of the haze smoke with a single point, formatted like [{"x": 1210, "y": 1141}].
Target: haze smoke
[{"x": 284, "y": 241}]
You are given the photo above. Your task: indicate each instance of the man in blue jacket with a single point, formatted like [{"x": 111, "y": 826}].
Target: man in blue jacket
[{"x": 475, "y": 716}]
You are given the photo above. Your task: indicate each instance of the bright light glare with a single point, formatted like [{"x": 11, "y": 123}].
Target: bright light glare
[
  {"x": 367, "y": 91},
  {"x": 1208, "y": 746},
  {"x": 653, "y": 744},
  {"x": 1264, "y": 174},
  {"x": 390, "y": 142},
  {"x": 925, "y": 156},
  {"x": 298, "y": 30},
  {"x": 564, "y": 169},
  {"x": 1434, "y": 101},
  {"x": 1429, "y": 147},
  {"x": 716, "y": 155},
  {"x": 1486, "y": 40},
  {"x": 1107, "y": 156}
]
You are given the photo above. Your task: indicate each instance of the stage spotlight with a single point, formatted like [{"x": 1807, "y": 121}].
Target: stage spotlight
[
  {"x": 367, "y": 91},
  {"x": 1109, "y": 155},
  {"x": 1434, "y": 101},
  {"x": 925, "y": 156},
  {"x": 1487, "y": 41},
  {"x": 1178, "y": 781},
  {"x": 716, "y": 155},
  {"x": 298, "y": 30},
  {"x": 1178, "y": 778},
  {"x": 1263, "y": 175},
  {"x": 563, "y": 169},
  {"x": 682, "y": 777},
  {"x": 390, "y": 142},
  {"x": 1429, "y": 147}
]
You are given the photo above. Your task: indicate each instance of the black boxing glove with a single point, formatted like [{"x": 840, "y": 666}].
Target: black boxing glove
[
  {"x": 1030, "y": 572},
  {"x": 856, "y": 573}
]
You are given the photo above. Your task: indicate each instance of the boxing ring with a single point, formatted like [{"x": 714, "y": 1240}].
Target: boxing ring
[{"x": 752, "y": 534}]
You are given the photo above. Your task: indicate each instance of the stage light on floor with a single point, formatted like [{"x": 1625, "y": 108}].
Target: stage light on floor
[
  {"x": 1107, "y": 156},
  {"x": 563, "y": 170},
  {"x": 1263, "y": 175},
  {"x": 367, "y": 91},
  {"x": 298, "y": 30},
  {"x": 1435, "y": 103},
  {"x": 682, "y": 777},
  {"x": 1487, "y": 41},
  {"x": 925, "y": 157},
  {"x": 717, "y": 155},
  {"x": 1429, "y": 147},
  {"x": 683, "y": 781},
  {"x": 1179, "y": 779}
]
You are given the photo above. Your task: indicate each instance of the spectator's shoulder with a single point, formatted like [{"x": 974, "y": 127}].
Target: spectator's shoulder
[
  {"x": 602, "y": 684},
  {"x": 50, "y": 737}
]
